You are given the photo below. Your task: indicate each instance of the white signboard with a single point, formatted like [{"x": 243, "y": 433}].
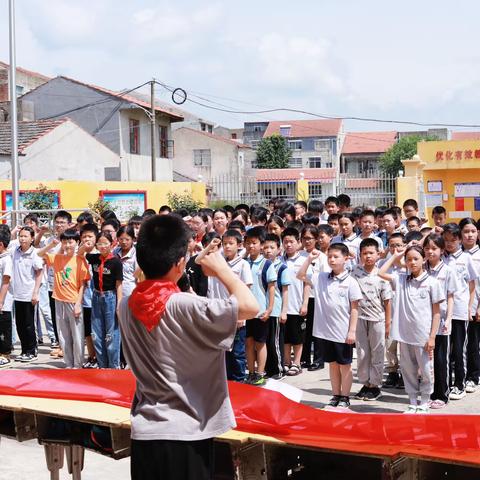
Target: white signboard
[
  {"x": 433, "y": 200},
  {"x": 467, "y": 190}
]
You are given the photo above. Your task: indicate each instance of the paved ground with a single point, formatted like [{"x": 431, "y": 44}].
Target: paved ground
[{"x": 25, "y": 461}]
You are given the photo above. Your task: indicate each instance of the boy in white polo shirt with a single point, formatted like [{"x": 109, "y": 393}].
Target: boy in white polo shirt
[
  {"x": 373, "y": 326},
  {"x": 336, "y": 312}
]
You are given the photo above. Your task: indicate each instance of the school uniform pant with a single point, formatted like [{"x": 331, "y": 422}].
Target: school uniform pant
[
  {"x": 391, "y": 354},
  {"x": 235, "y": 359},
  {"x": 5, "y": 333},
  {"x": 370, "y": 344},
  {"x": 414, "y": 360},
  {"x": 441, "y": 371},
  {"x": 71, "y": 334},
  {"x": 473, "y": 355},
  {"x": 275, "y": 342},
  {"x": 25, "y": 323},
  {"x": 310, "y": 340},
  {"x": 172, "y": 460},
  {"x": 105, "y": 330},
  {"x": 458, "y": 353}
]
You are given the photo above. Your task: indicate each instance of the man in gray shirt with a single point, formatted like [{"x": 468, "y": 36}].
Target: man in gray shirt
[{"x": 175, "y": 345}]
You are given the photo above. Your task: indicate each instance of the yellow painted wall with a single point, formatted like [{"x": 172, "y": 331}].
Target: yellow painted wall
[
  {"x": 302, "y": 190},
  {"x": 77, "y": 195},
  {"x": 451, "y": 162},
  {"x": 406, "y": 188}
]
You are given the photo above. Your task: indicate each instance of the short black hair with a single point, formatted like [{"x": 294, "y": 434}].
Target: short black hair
[
  {"x": 256, "y": 232},
  {"x": 63, "y": 214},
  {"x": 288, "y": 209},
  {"x": 414, "y": 219},
  {"x": 312, "y": 229},
  {"x": 397, "y": 210},
  {"x": 29, "y": 230},
  {"x": 392, "y": 212},
  {"x": 237, "y": 224},
  {"x": 128, "y": 230},
  {"x": 341, "y": 247},
  {"x": 162, "y": 243},
  {"x": 164, "y": 208},
  {"x": 326, "y": 229},
  {"x": 242, "y": 214},
  {"x": 228, "y": 208},
  {"x": 436, "y": 239},
  {"x": 243, "y": 206},
  {"x": 108, "y": 214},
  {"x": 149, "y": 212},
  {"x": 310, "y": 219},
  {"x": 112, "y": 222},
  {"x": 135, "y": 219},
  {"x": 89, "y": 227},
  {"x": 221, "y": 210},
  {"x": 70, "y": 234},
  {"x": 276, "y": 219},
  {"x": 208, "y": 237},
  {"x": 397, "y": 235},
  {"x": 295, "y": 224},
  {"x": 259, "y": 215},
  {"x": 451, "y": 228},
  {"x": 233, "y": 234},
  {"x": 379, "y": 211},
  {"x": 271, "y": 237},
  {"x": 302, "y": 204},
  {"x": 291, "y": 232},
  {"x": 413, "y": 235},
  {"x": 85, "y": 217},
  {"x": 315, "y": 206},
  {"x": 438, "y": 210},
  {"x": 425, "y": 229},
  {"x": 106, "y": 235},
  {"x": 344, "y": 200},
  {"x": 32, "y": 217},
  {"x": 369, "y": 242},
  {"x": 5, "y": 238},
  {"x": 332, "y": 199},
  {"x": 410, "y": 202},
  {"x": 367, "y": 213},
  {"x": 350, "y": 217},
  {"x": 333, "y": 217}
]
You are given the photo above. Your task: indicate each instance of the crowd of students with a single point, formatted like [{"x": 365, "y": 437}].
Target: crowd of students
[{"x": 327, "y": 278}]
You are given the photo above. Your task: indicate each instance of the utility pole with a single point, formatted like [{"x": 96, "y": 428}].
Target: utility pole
[
  {"x": 13, "y": 113},
  {"x": 153, "y": 128}
]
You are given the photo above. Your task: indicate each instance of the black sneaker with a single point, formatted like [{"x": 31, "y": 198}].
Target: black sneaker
[
  {"x": 54, "y": 344},
  {"x": 361, "y": 394},
  {"x": 344, "y": 402},
  {"x": 392, "y": 380},
  {"x": 334, "y": 401},
  {"x": 400, "y": 384},
  {"x": 28, "y": 357},
  {"x": 372, "y": 394}
]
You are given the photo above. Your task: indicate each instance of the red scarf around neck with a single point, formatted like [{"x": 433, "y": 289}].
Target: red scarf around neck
[{"x": 149, "y": 300}]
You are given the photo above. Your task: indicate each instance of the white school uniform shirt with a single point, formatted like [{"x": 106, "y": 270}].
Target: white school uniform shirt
[
  {"x": 475, "y": 256},
  {"x": 377, "y": 239},
  {"x": 241, "y": 268},
  {"x": 462, "y": 264},
  {"x": 25, "y": 264},
  {"x": 130, "y": 265},
  {"x": 295, "y": 290},
  {"x": 333, "y": 297},
  {"x": 449, "y": 283},
  {"x": 353, "y": 243},
  {"x": 375, "y": 291},
  {"x": 319, "y": 265},
  {"x": 6, "y": 269},
  {"x": 412, "y": 312}
]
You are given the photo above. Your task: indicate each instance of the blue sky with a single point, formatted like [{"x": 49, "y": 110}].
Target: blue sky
[{"x": 406, "y": 60}]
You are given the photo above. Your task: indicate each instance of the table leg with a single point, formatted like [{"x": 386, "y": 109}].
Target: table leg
[{"x": 54, "y": 458}]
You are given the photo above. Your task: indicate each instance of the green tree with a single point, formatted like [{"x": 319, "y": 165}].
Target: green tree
[
  {"x": 40, "y": 199},
  {"x": 100, "y": 205},
  {"x": 273, "y": 152},
  {"x": 178, "y": 201},
  {"x": 406, "y": 147}
]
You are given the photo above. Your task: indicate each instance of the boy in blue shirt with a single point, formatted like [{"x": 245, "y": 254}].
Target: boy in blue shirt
[{"x": 263, "y": 288}]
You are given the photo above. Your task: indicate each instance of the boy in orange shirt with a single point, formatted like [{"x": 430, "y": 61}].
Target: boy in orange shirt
[{"x": 70, "y": 275}]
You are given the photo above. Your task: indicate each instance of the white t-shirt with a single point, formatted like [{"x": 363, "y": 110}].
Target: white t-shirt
[
  {"x": 6, "y": 269},
  {"x": 129, "y": 264},
  {"x": 241, "y": 268},
  {"x": 333, "y": 297},
  {"x": 475, "y": 255},
  {"x": 295, "y": 290},
  {"x": 25, "y": 264}
]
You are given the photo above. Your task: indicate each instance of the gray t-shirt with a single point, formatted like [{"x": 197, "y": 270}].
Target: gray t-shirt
[{"x": 179, "y": 366}]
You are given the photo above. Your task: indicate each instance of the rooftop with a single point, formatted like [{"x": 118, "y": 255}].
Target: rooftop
[
  {"x": 28, "y": 133},
  {"x": 465, "y": 135},
  {"x": 216, "y": 137},
  {"x": 306, "y": 128},
  {"x": 368, "y": 142},
  {"x": 26, "y": 72}
]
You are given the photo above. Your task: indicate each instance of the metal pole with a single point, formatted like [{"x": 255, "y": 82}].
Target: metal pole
[
  {"x": 153, "y": 128},
  {"x": 13, "y": 113}
]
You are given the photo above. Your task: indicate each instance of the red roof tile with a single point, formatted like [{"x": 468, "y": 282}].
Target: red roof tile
[
  {"x": 306, "y": 128},
  {"x": 293, "y": 174},
  {"x": 465, "y": 135},
  {"x": 27, "y": 72},
  {"x": 217, "y": 137},
  {"x": 368, "y": 142}
]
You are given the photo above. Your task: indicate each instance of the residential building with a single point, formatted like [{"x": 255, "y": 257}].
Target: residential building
[
  {"x": 439, "y": 133},
  {"x": 118, "y": 120},
  {"x": 26, "y": 80},
  {"x": 314, "y": 143},
  {"x": 230, "y": 133},
  {"x": 253, "y": 132},
  {"x": 361, "y": 152},
  {"x": 202, "y": 153},
  {"x": 465, "y": 136},
  {"x": 56, "y": 150}
]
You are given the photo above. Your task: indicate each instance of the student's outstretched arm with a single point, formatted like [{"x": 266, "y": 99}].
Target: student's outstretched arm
[
  {"x": 215, "y": 265},
  {"x": 42, "y": 252},
  {"x": 302, "y": 273}
]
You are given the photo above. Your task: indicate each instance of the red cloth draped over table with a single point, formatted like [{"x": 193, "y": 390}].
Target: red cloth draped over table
[{"x": 443, "y": 437}]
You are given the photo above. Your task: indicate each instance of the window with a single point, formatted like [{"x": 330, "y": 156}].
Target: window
[
  {"x": 314, "y": 189},
  {"x": 315, "y": 162},
  {"x": 322, "y": 144},
  {"x": 257, "y": 128},
  {"x": 295, "y": 163},
  {"x": 285, "y": 130},
  {"x": 328, "y": 165},
  {"x": 134, "y": 129},
  {"x": 19, "y": 90},
  {"x": 163, "y": 135},
  {"x": 234, "y": 136},
  {"x": 295, "y": 144},
  {"x": 202, "y": 158}
]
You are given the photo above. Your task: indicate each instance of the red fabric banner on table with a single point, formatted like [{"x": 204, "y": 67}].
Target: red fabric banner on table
[{"x": 443, "y": 437}]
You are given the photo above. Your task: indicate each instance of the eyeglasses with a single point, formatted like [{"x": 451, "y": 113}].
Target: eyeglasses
[{"x": 308, "y": 238}]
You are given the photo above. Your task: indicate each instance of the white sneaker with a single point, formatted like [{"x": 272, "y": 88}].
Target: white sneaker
[
  {"x": 470, "y": 386},
  {"x": 456, "y": 394},
  {"x": 423, "y": 409},
  {"x": 411, "y": 409}
]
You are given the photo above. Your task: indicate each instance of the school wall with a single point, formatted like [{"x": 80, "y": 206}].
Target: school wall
[{"x": 77, "y": 194}]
